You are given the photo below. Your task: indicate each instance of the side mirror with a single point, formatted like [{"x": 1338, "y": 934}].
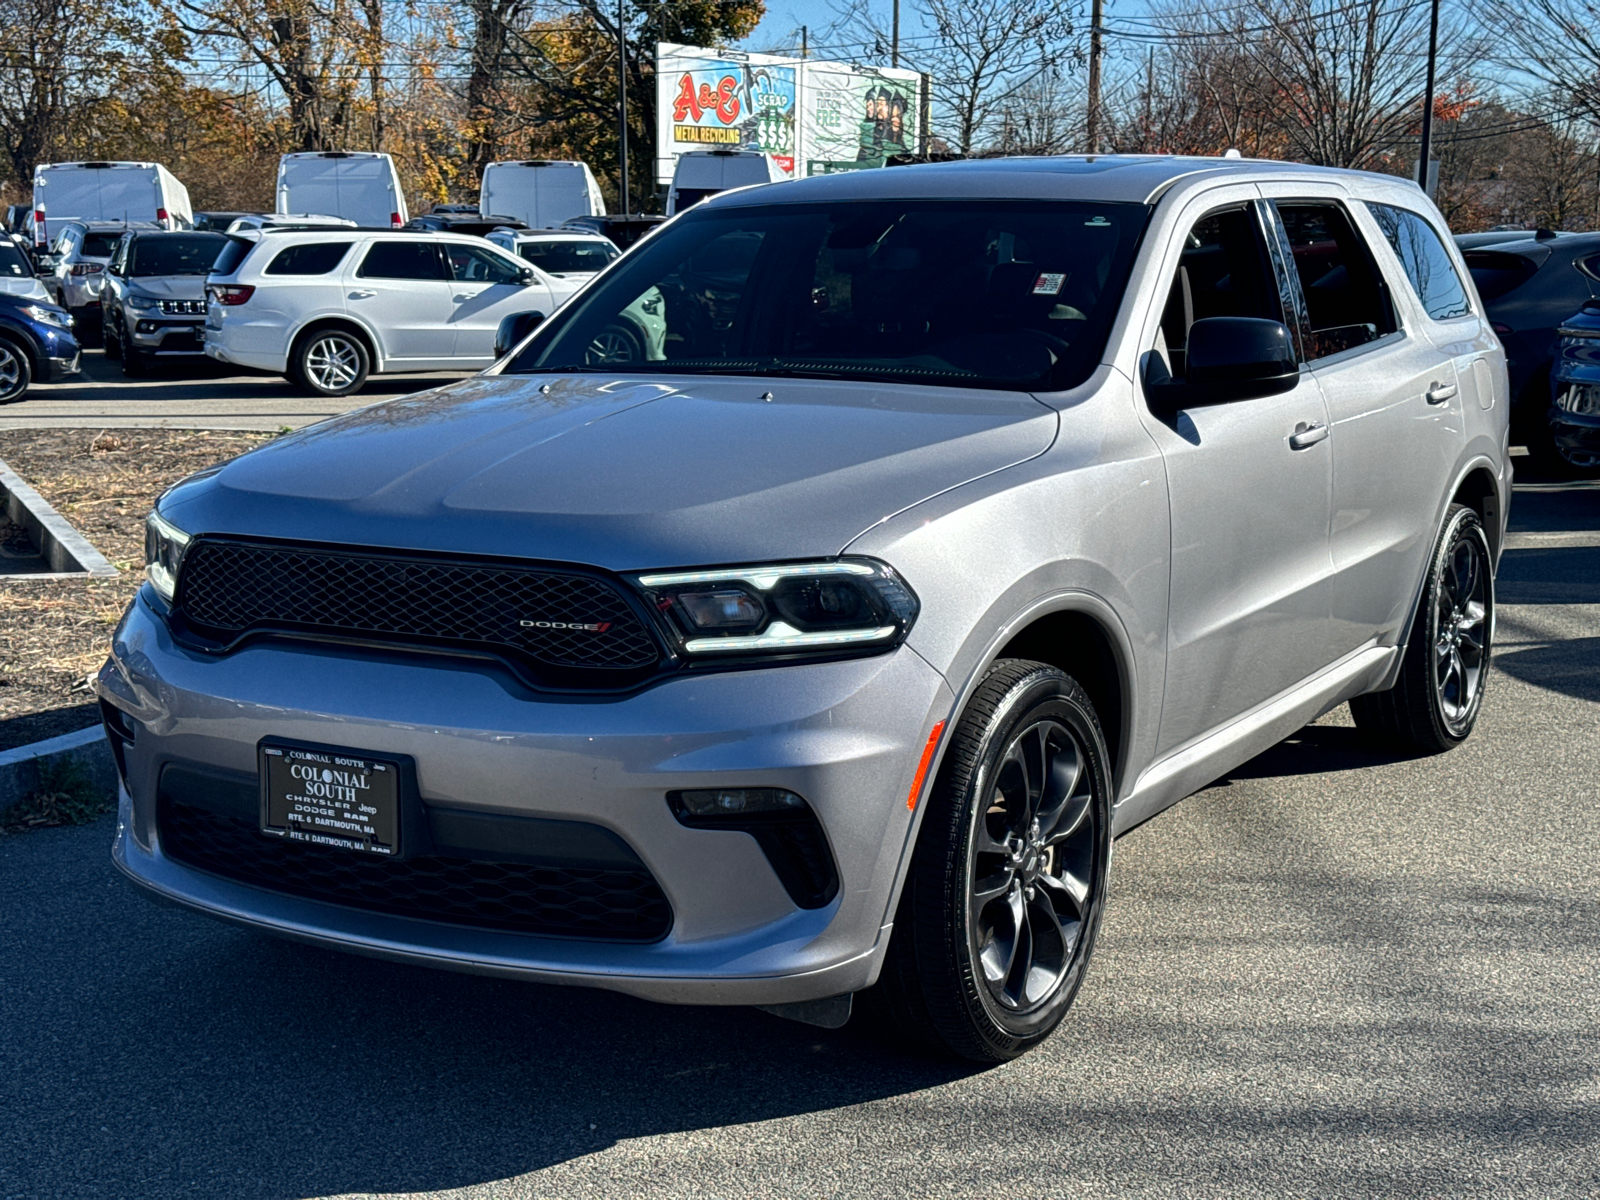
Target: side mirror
[
  {"x": 1231, "y": 358},
  {"x": 513, "y": 330},
  {"x": 526, "y": 276}
]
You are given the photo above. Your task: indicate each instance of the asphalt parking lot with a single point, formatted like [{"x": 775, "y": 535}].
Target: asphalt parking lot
[
  {"x": 1334, "y": 973},
  {"x": 189, "y": 394}
]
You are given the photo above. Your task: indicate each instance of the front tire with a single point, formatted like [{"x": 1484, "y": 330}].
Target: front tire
[
  {"x": 16, "y": 372},
  {"x": 331, "y": 362},
  {"x": 1007, "y": 883},
  {"x": 111, "y": 336},
  {"x": 1435, "y": 702}
]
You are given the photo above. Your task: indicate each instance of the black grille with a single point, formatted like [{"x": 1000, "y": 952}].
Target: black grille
[
  {"x": 228, "y": 588},
  {"x": 615, "y": 905},
  {"x": 189, "y": 307}
]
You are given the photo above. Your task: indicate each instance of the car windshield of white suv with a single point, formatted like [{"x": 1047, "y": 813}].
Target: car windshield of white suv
[
  {"x": 1007, "y": 294},
  {"x": 574, "y": 257},
  {"x": 12, "y": 263},
  {"x": 176, "y": 254}
]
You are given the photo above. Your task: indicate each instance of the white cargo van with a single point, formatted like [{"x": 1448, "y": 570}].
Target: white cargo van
[
  {"x": 106, "y": 191},
  {"x": 359, "y": 185},
  {"x": 541, "y": 193},
  {"x": 702, "y": 173}
]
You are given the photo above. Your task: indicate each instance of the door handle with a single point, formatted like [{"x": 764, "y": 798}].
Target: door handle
[
  {"x": 461, "y": 297},
  {"x": 1307, "y": 434},
  {"x": 362, "y": 294},
  {"x": 1439, "y": 393}
]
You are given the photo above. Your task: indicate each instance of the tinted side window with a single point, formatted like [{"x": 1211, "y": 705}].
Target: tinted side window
[
  {"x": 1223, "y": 273},
  {"x": 315, "y": 258},
  {"x": 402, "y": 260},
  {"x": 1345, "y": 301},
  {"x": 1424, "y": 259}
]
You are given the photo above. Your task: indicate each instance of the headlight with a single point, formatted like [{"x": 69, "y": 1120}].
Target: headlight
[
  {"x": 49, "y": 316},
  {"x": 141, "y": 302},
  {"x": 783, "y": 608},
  {"x": 164, "y": 544}
]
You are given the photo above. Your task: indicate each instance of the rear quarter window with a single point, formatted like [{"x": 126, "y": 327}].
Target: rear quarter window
[
  {"x": 1424, "y": 259},
  {"x": 232, "y": 256},
  {"x": 313, "y": 258}
]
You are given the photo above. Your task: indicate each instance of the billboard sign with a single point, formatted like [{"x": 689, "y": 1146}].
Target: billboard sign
[
  {"x": 793, "y": 109},
  {"x": 723, "y": 100}
]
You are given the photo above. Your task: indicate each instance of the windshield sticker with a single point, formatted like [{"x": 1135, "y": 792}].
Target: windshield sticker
[{"x": 1049, "y": 284}]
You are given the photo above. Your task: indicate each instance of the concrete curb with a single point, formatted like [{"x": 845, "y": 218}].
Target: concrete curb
[
  {"x": 66, "y": 550},
  {"x": 20, "y": 768}
]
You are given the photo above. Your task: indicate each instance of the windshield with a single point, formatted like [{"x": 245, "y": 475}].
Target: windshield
[
  {"x": 1007, "y": 294},
  {"x": 568, "y": 257},
  {"x": 12, "y": 263},
  {"x": 176, "y": 254}
]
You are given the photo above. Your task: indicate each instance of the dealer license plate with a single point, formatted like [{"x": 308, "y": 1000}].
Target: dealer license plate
[{"x": 331, "y": 798}]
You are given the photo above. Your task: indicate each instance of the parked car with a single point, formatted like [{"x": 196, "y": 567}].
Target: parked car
[
  {"x": 621, "y": 231},
  {"x": 36, "y": 343},
  {"x": 326, "y": 308},
  {"x": 154, "y": 297},
  {"x": 77, "y": 262},
  {"x": 542, "y": 193},
  {"x": 17, "y": 277},
  {"x": 561, "y": 255},
  {"x": 1574, "y": 411},
  {"x": 470, "y": 209},
  {"x": 702, "y": 173},
  {"x": 1529, "y": 286},
  {"x": 469, "y": 223},
  {"x": 253, "y": 221},
  {"x": 106, "y": 191},
  {"x": 361, "y": 186},
  {"x": 15, "y": 215},
  {"x": 983, "y": 511},
  {"x": 219, "y": 222}
]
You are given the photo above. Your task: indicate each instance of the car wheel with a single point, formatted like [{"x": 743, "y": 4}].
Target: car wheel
[
  {"x": 1436, "y": 700},
  {"x": 1008, "y": 880},
  {"x": 615, "y": 345},
  {"x": 331, "y": 362},
  {"x": 16, "y": 372},
  {"x": 111, "y": 336}
]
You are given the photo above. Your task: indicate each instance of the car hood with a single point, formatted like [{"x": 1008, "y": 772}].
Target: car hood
[
  {"x": 621, "y": 473},
  {"x": 28, "y": 289},
  {"x": 169, "y": 287}
]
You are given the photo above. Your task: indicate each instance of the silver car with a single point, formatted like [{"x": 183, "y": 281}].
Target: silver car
[
  {"x": 77, "y": 264},
  {"x": 975, "y": 514},
  {"x": 153, "y": 300}
]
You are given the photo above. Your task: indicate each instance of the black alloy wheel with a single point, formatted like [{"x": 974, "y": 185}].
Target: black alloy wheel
[
  {"x": 1007, "y": 885},
  {"x": 1435, "y": 703}
]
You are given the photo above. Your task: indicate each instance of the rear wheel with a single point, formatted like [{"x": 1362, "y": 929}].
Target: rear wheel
[
  {"x": 1007, "y": 884},
  {"x": 16, "y": 372},
  {"x": 331, "y": 362},
  {"x": 1436, "y": 700}
]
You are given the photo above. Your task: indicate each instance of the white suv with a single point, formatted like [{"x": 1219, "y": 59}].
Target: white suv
[{"x": 326, "y": 308}]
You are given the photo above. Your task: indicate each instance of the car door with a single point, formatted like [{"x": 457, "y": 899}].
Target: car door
[
  {"x": 1394, "y": 405},
  {"x": 486, "y": 288},
  {"x": 400, "y": 288},
  {"x": 1250, "y": 485}
]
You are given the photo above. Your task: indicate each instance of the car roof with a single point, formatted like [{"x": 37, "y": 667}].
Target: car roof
[
  {"x": 566, "y": 235},
  {"x": 1575, "y": 243},
  {"x": 1128, "y": 178}
]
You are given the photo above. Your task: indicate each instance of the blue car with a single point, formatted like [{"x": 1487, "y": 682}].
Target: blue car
[
  {"x": 36, "y": 344},
  {"x": 1575, "y": 391}
]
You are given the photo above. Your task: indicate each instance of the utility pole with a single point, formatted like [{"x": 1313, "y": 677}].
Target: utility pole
[
  {"x": 894, "y": 47},
  {"x": 622, "y": 104},
  {"x": 805, "y": 49},
  {"x": 1093, "y": 131},
  {"x": 1149, "y": 99},
  {"x": 1426, "y": 150}
]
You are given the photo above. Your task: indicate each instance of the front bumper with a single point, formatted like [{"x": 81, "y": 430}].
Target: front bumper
[
  {"x": 1575, "y": 432},
  {"x": 65, "y": 365},
  {"x": 845, "y": 735},
  {"x": 157, "y": 334}
]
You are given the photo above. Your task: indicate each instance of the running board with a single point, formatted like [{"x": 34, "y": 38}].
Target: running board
[{"x": 1164, "y": 783}]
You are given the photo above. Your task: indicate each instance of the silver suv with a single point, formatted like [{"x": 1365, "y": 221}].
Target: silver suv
[
  {"x": 154, "y": 301},
  {"x": 77, "y": 263},
  {"x": 970, "y": 515}
]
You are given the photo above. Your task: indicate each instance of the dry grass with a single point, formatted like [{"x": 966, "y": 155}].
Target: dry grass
[{"x": 54, "y": 634}]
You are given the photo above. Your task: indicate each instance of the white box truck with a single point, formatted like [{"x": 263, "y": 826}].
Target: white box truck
[
  {"x": 702, "y": 173},
  {"x": 359, "y": 185},
  {"x": 541, "y": 193},
  {"x": 106, "y": 191}
]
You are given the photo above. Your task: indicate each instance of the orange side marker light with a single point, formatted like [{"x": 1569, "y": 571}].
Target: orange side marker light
[{"x": 922, "y": 767}]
